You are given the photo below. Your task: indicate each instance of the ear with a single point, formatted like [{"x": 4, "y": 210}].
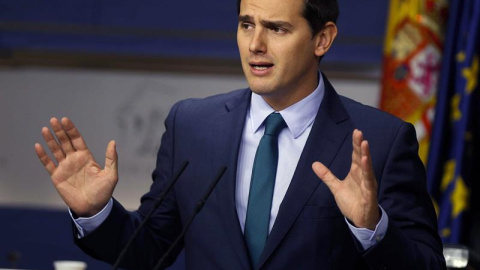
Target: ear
[{"x": 324, "y": 38}]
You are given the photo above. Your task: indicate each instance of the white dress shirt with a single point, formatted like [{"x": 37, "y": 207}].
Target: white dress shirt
[{"x": 299, "y": 118}]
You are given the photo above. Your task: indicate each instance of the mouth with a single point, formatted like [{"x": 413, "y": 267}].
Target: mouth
[{"x": 260, "y": 67}]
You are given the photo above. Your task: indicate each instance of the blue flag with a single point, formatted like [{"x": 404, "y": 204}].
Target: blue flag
[{"x": 451, "y": 156}]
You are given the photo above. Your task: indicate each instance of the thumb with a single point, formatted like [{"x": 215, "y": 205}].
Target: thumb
[
  {"x": 111, "y": 159},
  {"x": 326, "y": 175}
]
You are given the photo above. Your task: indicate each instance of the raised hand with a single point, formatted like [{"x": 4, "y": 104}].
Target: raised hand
[
  {"x": 356, "y": 195},
  {"x": 82, "y": 184}
]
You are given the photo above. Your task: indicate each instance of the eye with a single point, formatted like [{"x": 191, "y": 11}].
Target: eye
[
  {"x": 279, "y": 30},
  {"x": 246, "y": 26}
]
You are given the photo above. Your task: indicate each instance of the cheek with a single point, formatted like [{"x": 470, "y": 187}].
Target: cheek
[
  {"x": 244, "y": 53},
  {"x": 289, "y": 59},
  {"x": 242, "y": 45},
  {"x": 293, "y": 51},
  {"x": 302, "y": 55}
]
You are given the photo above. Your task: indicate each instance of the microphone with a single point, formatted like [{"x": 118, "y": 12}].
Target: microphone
[
  {"x": 157, "y": 202},
  {"x": 199, "y": 205}
]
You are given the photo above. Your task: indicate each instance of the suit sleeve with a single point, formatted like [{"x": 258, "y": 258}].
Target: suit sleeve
[
  {"x": 411, "y": 240},
  {"x": 106, "y": 242}
]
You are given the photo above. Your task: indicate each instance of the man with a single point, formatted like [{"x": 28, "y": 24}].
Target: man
[{"x": 378, "y": 217}]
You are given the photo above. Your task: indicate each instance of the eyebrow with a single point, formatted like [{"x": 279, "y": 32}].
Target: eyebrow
[
  {"x": 276, "y": 24},
  {"x": 245, "y": 18},
  {"x": 268, "y": 24}
]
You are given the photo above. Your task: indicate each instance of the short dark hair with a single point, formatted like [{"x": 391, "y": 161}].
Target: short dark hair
[{"x": 316, "y": 12}]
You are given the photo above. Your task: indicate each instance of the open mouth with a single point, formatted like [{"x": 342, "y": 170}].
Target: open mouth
[{"x": 261, "y": 66}]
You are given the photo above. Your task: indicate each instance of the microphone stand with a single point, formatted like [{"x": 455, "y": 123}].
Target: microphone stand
[
  {"x": 199, "y": 205},
  {"x": 157, "y": 202}
]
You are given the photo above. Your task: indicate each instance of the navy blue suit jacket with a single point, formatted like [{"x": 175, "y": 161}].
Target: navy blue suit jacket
[{"x": 310, "y": 231}]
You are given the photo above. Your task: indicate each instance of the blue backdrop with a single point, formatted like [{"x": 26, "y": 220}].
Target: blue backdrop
[{"x": 185, "y": 29}]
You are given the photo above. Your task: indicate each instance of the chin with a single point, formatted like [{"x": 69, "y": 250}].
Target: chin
[
  {"x": 261, "y": 88},
  {"x": 262, "y": 91}
]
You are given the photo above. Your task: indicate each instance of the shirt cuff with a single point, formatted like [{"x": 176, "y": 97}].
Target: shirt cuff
[
  {"x": 369, "y": 238},
  {"x": 89, "y": 224}
]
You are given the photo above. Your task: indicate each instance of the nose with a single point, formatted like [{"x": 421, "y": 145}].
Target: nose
[{"x": 258, "y": 42}]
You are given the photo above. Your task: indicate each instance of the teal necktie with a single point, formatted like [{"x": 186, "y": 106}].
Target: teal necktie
[{"x": 261, "y": 187}]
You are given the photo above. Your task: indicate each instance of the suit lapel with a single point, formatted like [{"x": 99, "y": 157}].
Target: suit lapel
[
  {"x": 328, "y": 133},
  {"x": 227, "y": 134}
]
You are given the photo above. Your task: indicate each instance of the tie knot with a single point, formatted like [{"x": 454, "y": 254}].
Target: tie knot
[{"x": 274, "y": 124}]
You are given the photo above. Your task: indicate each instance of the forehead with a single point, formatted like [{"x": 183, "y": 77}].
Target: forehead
[{"x": 272, "y": 9}]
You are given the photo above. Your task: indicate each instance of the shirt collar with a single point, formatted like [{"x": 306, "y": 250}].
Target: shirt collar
[{"x": 298, "y": 116}]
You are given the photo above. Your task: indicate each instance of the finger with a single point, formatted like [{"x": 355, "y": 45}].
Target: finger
[
  {"x": 111, "y": 160},
  {"x": 53, "y": 145},
  {"x": 357, "y": 138},
  {"x": 74, "y": 135},
  {"x": 326, "y": 175},
  {"x": 62, "y": 136},
  {"x": 367, "y": 167},
  {"x": 45, "y": 159}
]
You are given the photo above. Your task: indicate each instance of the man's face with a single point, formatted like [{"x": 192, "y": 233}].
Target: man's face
[{"x": 278, "y": 53}]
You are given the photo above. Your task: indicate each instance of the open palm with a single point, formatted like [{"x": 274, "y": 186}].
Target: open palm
[
  {"x": 356, "y": 195},
  {"x": 82, "y": 184}
]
